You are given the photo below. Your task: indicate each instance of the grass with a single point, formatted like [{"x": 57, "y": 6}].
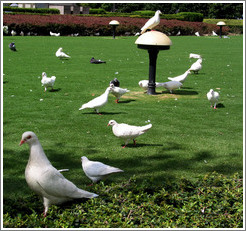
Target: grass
[{"x": 187, "y": 139}]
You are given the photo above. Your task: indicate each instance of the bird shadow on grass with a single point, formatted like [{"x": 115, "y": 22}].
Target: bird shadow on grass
[
  {"x": 127, "y": 101},
  {"x": 55, "y": 90},
  {"x": 142, "y": 145},
  {"x": 182, "y": 92},
  {"x": 220, "y": 105},
  {"x": 104, "y": 113}
]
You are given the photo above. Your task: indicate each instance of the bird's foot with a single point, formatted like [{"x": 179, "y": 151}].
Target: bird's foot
[
  {"x": 134, "y": 142},
  {"x": 124, "y": 146},
  {"x": 116, "y": 101},
  {"x": 89, "y": 185}
]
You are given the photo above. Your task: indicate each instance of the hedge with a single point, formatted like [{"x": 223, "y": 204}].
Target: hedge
[
  {"x": 191, "y": 16},
  {"x": 69, "y": 24},
  {"x": 97, "y": 11},
  {"x": 31, "y": 10},
  {"x": 210, "y": 201}
]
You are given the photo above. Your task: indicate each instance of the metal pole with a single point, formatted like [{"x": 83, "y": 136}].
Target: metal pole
[
  {"x": 114, "y": 27},
  {"x": 220, "y": 31},
  {"x": 152, "y": 71}
]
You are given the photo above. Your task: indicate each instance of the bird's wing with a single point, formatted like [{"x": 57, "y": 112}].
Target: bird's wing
[{"x": 151, "y": 23}]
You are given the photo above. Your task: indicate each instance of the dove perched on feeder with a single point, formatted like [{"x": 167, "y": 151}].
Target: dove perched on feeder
[
  {"x": 128, "y": 132},
  {"x": 45, "y": 180},
  {"x": 118, "y": 92},
  {"x": 60, "y": 54},
  {"x": 47, "y": 82},
  {"x": 96, "y": 170},
  {"x": 12, "y": 46},
  {"x": 213, "y": 97},
  {"x": 116, "y": 82},
  {"x": 97, "y": 102},
  {"x": 152, "y": 22},
  {"x": 180, "y": 78},
  {"x": 197, "y": 66},
  {"x": 171, "y": 85},
  {"x": 195, "y": 56},
  {"x": 96, "y": 61},
  {"x": 54, "y": 34}
]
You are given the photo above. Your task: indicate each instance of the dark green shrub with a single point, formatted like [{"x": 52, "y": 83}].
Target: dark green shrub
[
  {"x": 97, "y": 11},
  {"x": 32, "y": 10},
  {"x": 144, "y": 13},
  {"x": 191, "y": 16}
]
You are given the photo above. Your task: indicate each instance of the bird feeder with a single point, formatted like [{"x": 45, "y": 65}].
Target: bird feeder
[
  {"x": 153, "y": 41},
  {"x": 221, "y": 24},
  {"x": 114, "y": 24}
]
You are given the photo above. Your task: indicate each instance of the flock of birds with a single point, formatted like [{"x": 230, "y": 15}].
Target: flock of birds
[{"x": 46, "y": 180}]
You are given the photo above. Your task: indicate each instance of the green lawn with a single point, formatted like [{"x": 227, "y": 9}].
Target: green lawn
[{"x": 188, "y": 138}]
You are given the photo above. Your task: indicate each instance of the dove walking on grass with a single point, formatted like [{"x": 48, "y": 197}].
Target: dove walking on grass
[
  {"x": 118, "y": 92},
  {"x": 60, "y": 54},
  {"x": 213, "y": 97},
  {"x": 96, "y": 170},
  {"x": 180, "y": 78},
  {"x": 45, "y": 180},
  {"x": 54, "y": 34},
  {"x": 214, "y": 33},
  {"x": 12, "y": 46},
  {"x": 97, "y": 102},
  {"x": 128, "y": 132},
  {"x": 47, "y": 81},
  {"x": 145, "y": 84},
  {"x": 13, "y": 33},
  {"x": 197, "y": 66},
  {"x": 195, "y": 56},
  {"x": 152, "y": 22}
]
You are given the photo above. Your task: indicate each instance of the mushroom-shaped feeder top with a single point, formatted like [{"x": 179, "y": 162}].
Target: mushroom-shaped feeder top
[
  {"x": 221, "y": 23},
  {"x": 153, "y": 39},
  {"x": 114, "y": 23}
]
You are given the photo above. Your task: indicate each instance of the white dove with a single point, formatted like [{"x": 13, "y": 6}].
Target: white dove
[
  {"x": 171, "y": 85},
  {"x": 45, "y": 180},
  {"x": 128, "y": 132},
  {"x": 214, "y": 34},
  {"x": 47, "y": 82},
  {"x": 6, "y": 29},
  {"x": 97, "y": 102},
  {"x": 197, "y": 66},
  {"x": 152, "y": 22},
  {"x": 118, "y": 92},
  {"x": 180, "y": 78},
  {"x": 195, "y": 56},
  {"x": 213, "y": 97},
  {"x": 197, "y": 34},
  {"x": 13, "y": 33},
  {"x": 60, "y": 54},
  {"x": 54, "y": 34},
  {"x": 144, "y": 84},
  {"x": 96, "y": 170}
]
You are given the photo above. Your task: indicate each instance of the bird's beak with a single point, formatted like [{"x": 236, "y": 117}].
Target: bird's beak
[
  {"x": 108, "y": 125},
  {"x": 22, "y": 142}
]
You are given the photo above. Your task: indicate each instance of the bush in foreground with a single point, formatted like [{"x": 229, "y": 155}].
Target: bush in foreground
[{"x": 213, "y": 201}]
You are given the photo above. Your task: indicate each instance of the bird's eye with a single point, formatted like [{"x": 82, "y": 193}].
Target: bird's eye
[{"x": 29, "y": 137}]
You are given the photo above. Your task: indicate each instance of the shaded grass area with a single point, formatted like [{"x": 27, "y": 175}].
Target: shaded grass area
[{"x": 187, "y": 139}]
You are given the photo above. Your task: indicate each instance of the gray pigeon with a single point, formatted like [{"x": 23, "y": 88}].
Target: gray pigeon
[{"x": 12, "y": 46}]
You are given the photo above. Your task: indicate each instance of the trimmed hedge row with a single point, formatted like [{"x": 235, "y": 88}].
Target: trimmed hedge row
[
  {"x": 212, "y": 201},
  {"x": 31, "y": 10},
  {"x": 70, "y": 24}
]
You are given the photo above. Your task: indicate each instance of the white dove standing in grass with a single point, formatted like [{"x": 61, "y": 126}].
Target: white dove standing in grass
[
  {"x": 195, "y": 56},
  {"x": 6, "y": 29},
  {"x": 180, "y": 78},
  {"x": 47, "y": 81},
  {"x": 13, "y": 33},
  {"x": 118, "y": 92},
  {"x": 54, "y": 34},
  {"x": 197, "y": 66},
  {"x": 171, "y": 85},
  {"x": 197, "y": 34},
  {"x": 144, "y": 84},
  {"x": 96, "y": 170},
  {"x": 152, "y": 22},
  {"x": 97, "y": 102},
  {"x": 213, "y": 97},
  {"x": 60, "y": 54},
  {"x": 45, "y": 180},
  {"x": 214, "y": 34},
  {"x": 128, "y": 132}
]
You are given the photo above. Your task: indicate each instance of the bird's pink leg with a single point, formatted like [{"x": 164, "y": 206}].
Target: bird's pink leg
[{"x": 116, "y": 101}]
